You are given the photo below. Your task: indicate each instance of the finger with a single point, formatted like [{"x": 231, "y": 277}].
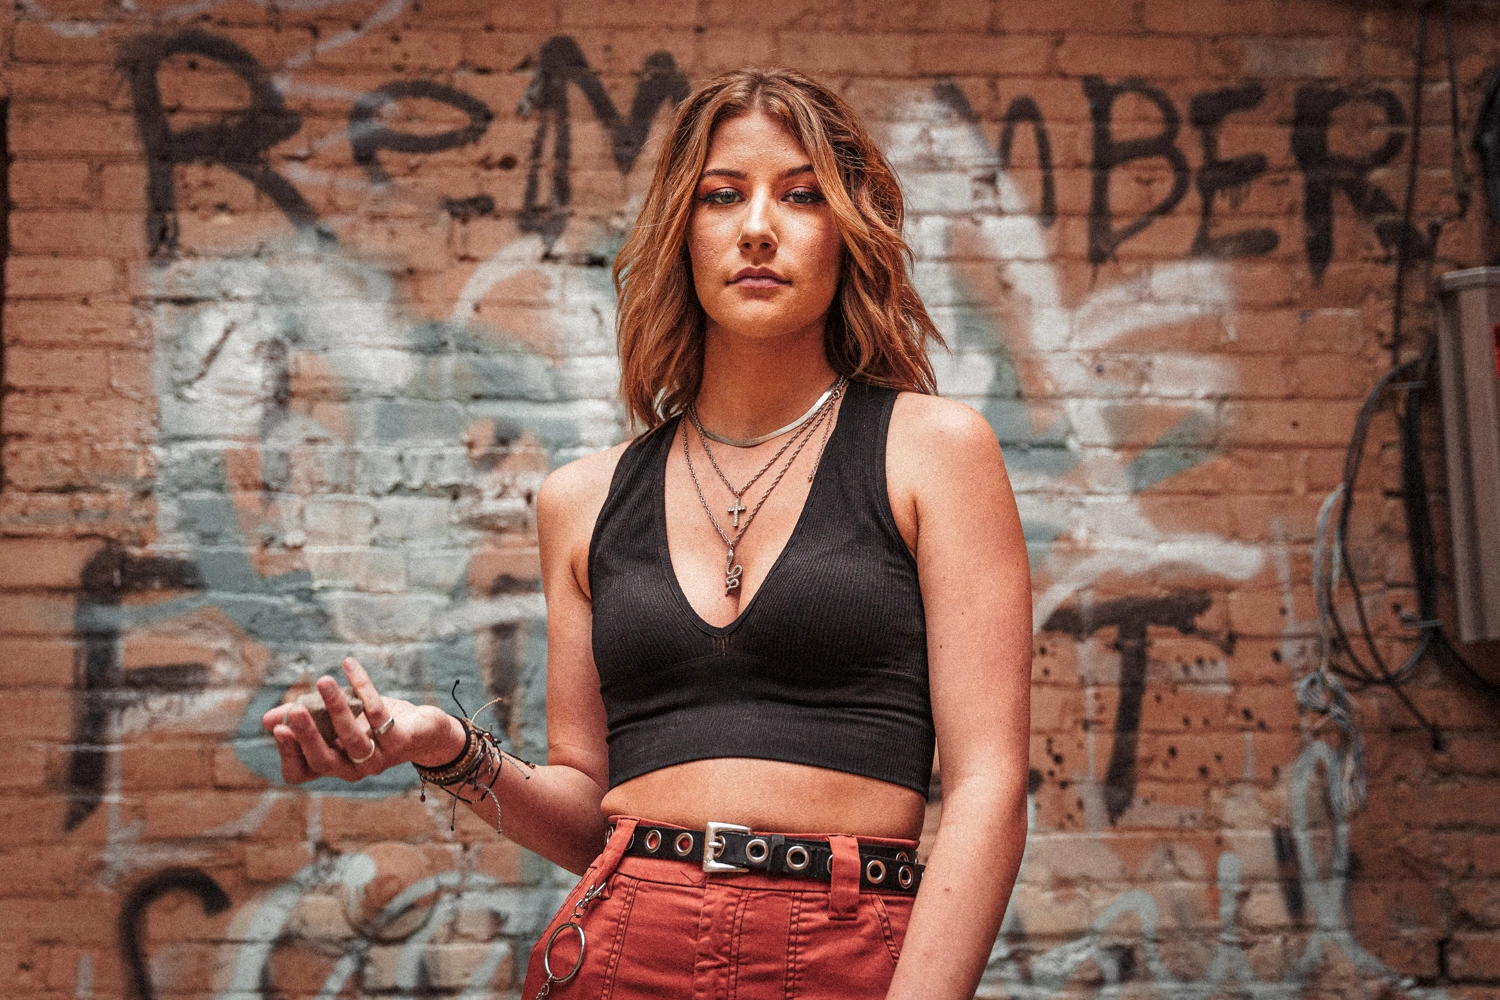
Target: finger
[
  {"x": 275, "y": 716},
  {"x": 364, "y": 688},
  {"x": 294, "y": 769},
  {"x": 321, "y": 758},
  {"x": 353, "y": 734}
]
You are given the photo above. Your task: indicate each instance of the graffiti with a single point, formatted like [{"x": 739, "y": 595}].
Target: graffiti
[
  {"x": 1110, "y": 959},
  {"x": 337, "y": 472},
  {"x": 194, "y": 881},
  {"x": 1218, "y": 176},
  {"x": 1024, "y": 109},
  {"x": 1017, "y": 356},
  {"x": 1111, "y": 153},
  {"x": 399, "y": 947},
  {"x": 1131, "y": 617},
  {"x": 559, "y": 64},
  {"x": 103, "y": 687},
  {"x": 368, "y": 138},
  {"x": 1325, "y": 172},
  {"x": 240, "y": 142}
]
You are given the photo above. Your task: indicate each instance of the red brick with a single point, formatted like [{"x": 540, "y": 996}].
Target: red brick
[
  {"x": 1115, "y": 57},
  {"x": 66, "y": 416},
  {"x": 94, "y": 323},
  {"x": 35, "y": 42},
  {"x": 1475, "y": 956},
  {"x": 1004, "y": 55},
  {"x": 45, "y": 368},
  {"x": 36, "y": 183},
  {"x": 43, "y": 563},
  {"x": 47, "y": 130},
  {"x": 53, "y": 466},
  {"x": 827, "y": 53},
  {"x": 1066, "y": 15},
  {"x": 152, "y": 766},
  {"x": 78, "y": 233},
  {"x": 36, "y": 662},
  {"x": 75, "y": 84},
  {"x": 54, "y": 277}
]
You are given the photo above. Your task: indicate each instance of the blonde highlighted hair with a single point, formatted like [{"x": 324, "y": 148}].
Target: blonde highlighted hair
[{"x": 877, "y": 329}]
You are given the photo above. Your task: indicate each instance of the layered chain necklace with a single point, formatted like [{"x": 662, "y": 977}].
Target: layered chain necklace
[{"x": 804, "y": 428}]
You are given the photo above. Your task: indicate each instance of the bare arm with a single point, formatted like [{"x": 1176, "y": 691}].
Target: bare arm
[
  {"x": 945, "y": 467},
  {"x": 552, "y": 810}
]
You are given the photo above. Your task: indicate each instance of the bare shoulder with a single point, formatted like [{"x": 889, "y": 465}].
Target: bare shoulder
[
  {"x": 572, "y": 495},
  {"x": 930, "y": 432},
  {"x": 938, "y": 452}
]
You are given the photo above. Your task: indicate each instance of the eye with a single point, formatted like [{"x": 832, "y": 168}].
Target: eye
[
  {"x": 723, "y": 196},
  {"x": 804, "y": 196}
]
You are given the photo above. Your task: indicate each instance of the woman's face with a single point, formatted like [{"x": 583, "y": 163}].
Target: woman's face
[{"x": 762, "y": 240}]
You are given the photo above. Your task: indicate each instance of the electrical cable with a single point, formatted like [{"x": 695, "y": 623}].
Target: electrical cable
[{"x": 1321, "y": 690}]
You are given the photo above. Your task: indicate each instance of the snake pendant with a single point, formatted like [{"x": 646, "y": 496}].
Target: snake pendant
[{"x": 731, "y": 573}]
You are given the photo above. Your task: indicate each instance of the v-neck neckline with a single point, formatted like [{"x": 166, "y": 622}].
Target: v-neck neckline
[{"x": 665, "y": 551}]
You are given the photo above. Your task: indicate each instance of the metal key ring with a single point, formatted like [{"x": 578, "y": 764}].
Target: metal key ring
[{"x": 547, "y": 954}]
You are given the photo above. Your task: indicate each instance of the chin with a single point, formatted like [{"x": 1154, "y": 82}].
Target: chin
[{"x": 763, "y": 324}]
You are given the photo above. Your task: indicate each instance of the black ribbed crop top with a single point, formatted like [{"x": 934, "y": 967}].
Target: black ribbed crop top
[{"x": 827, "y": 664}]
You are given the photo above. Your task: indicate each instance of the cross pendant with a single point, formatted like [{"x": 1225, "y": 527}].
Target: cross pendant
[{"x": 736, "y": 510}]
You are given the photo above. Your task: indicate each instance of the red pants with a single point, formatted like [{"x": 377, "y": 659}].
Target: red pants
[{"x": 666, "y": 929}]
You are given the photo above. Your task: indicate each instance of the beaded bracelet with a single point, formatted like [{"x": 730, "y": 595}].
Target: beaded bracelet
[
  {"x": 481, "y": 750},
  {"x": 453, "y": 771}
]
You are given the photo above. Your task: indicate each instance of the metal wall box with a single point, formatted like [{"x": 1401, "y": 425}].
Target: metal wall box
[{"x": 1469, "y": 367}]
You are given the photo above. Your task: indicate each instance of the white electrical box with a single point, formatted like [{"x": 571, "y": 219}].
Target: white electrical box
[{"x": 1469, "y": 367}]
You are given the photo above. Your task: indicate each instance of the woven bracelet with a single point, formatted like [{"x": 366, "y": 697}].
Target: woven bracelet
[{"x": 459, "y": 767}]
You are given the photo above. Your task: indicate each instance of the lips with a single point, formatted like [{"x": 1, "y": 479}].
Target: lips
[{"x": 758, "y": 277}]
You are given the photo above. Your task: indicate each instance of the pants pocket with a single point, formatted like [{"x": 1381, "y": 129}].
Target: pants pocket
[
  {"x": 895, "y": 913},
  {"x": 603, "y": 925},
  {"x": 844, "y": 959}
]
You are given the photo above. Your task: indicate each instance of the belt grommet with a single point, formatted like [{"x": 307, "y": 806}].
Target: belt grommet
[
  {"x": 875, "y": 871},
  {"x": 797, "y": 857},
  {"x": 905, "y": 877},
  {"x": 829, "y": 866},
  {"x": 653, "y": 841},
  {"x": 902, "y": 856},
  {"x": 757, "y": 850},
  {"x": 683, "y": 845}
]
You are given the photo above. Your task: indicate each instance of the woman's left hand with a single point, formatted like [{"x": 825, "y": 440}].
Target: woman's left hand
[{"x": 389, "y": 732}]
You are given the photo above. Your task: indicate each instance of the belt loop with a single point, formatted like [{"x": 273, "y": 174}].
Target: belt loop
[
  {"x": 604, "y": 866},
  {"x": 843, "y": 893}
]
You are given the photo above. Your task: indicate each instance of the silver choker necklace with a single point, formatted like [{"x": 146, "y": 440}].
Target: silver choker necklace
[{"x": 838, "y": 383}]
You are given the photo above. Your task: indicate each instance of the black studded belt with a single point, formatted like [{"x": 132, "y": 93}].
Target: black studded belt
[{"x": 727, "y": 848}]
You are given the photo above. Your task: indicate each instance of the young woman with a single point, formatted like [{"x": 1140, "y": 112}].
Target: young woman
[{"x": 763, "y": 610}]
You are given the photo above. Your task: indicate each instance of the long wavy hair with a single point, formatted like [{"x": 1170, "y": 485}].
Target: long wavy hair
[{"x": 877, "y": 330}]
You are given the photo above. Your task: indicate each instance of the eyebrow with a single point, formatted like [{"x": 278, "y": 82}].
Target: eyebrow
[{"x": 806, "y": 168}]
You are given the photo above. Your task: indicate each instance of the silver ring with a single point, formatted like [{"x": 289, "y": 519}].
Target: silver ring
[
  {"x": 875, "y": 871},
  {"x": 383, "y": 728},
  {"x": 360, "y": 760},
  {"x": 757, "y": 850},
  {"x": 577, "y": 962},
  {"x": 653, "y": 841},
  {"x": 683, "y": 844},
  {"x": 799, "y": 862}
]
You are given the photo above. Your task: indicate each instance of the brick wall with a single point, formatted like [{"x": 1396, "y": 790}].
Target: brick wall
[{"x": 302, "y": 303}]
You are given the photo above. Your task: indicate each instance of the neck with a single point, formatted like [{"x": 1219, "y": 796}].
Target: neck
[{"x": 753, "y": 385}]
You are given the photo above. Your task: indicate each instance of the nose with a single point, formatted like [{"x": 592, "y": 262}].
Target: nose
[{"x": 758, "y": 228}]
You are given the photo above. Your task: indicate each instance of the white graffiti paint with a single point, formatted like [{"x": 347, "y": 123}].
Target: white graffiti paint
[
  {"x": 1324, "y": 888},
  {"x": 1083, "y": 519},
  {"x": 263, "y": 925}
]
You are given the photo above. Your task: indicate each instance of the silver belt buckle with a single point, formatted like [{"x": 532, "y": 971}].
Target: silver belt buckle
[{"x": 713, "y": 846}]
